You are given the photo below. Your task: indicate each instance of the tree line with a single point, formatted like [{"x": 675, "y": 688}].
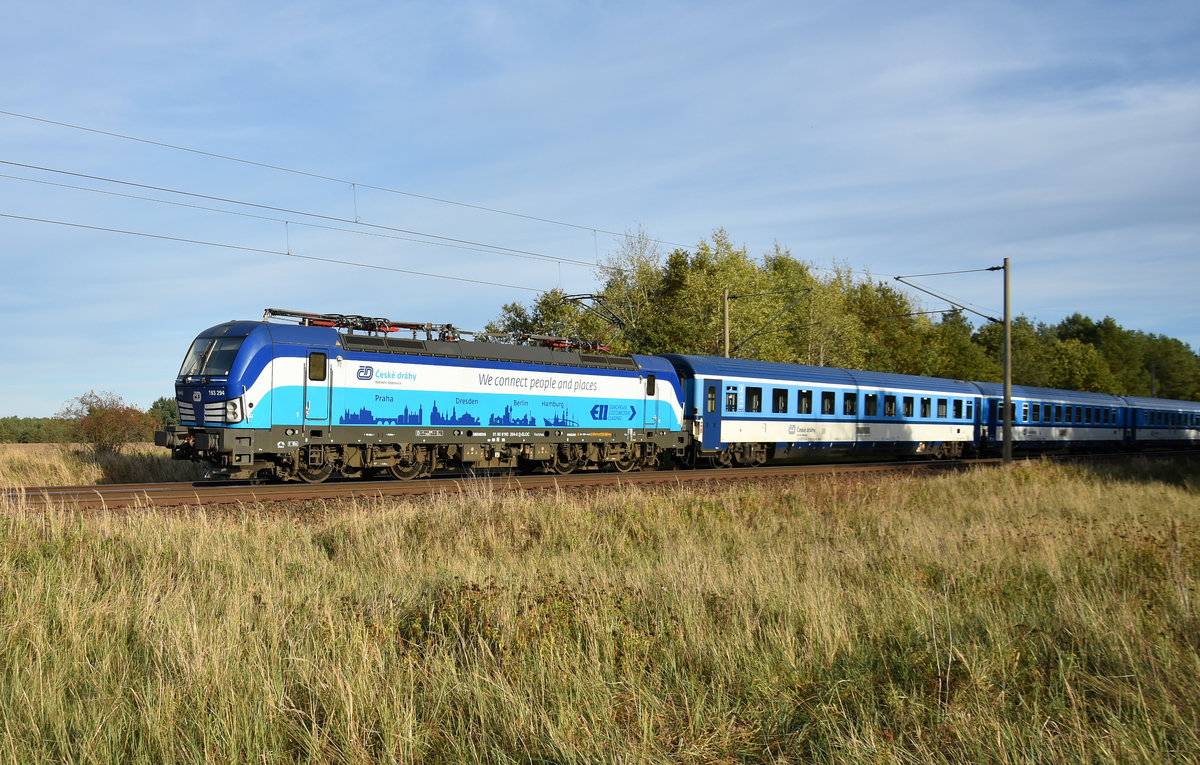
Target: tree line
[
  {"x": 103, "y": 420},
  {"x": 784, "y": 309}
]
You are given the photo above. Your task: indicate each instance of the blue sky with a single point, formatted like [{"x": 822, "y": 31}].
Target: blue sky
[{"x": 892, "y": 138}]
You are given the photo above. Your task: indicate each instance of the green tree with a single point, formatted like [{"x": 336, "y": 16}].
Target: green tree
[
  {"x": 955, "y": 355},
  {"x": 164, "y": 411}
]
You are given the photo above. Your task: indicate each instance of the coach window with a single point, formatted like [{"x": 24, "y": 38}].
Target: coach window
[
  {"x": 316, "y": 366},
  {"x": 1069, "y": 414},
  {"x": 827, "y": 399},
  {"x": 779, "y": 401},
  {"x": 908, "y": 406},
  {"x": 1058, "y": 413},
  {"x": 926, "y": 406},
  {"x": 1079, "y": 414},
  {"x": 970, "y": 410},
  {"x": 870, "y": 404},
  {"x": 753, "y": 399},
  {"x": 958, "y": 409},
  {"x": 1087, "y": 416},
  {"x": 941, "y": 410},
  {"x": 1036, "y": 412},
  {"x": 804, "y": 402},
  {"x": 849, "y": 403},
  {"x": 710, "y": 402},
  {"x": 731, "y": 399},
  {"x": 889, "y": 406},
  {"x": 1104, "y": 416}
]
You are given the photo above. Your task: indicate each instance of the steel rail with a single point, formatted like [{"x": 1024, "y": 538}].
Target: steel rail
[{"x": 206, "y": 493}]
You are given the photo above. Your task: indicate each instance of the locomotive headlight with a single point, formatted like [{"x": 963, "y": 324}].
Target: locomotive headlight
[{"x": 233, "y": 410}]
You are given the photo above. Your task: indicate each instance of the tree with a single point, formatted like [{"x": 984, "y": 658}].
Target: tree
[
  {"x": 956, "y": 356},
  {"x": 164, "y": 411},
  {"x": 105, "y": 422}
]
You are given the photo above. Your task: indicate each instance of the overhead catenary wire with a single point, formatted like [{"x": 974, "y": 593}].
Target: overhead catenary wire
[
  {"x": 498, "y": 249},
  {"x": 353, "y": 184},
  {"x": 483, "y": 248},
  {"x": 290, "y": 254}
]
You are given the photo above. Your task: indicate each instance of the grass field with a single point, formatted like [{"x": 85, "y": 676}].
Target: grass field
[
  {"x": 1040, "y": 614},
  {"x": 70, "y": 464}
]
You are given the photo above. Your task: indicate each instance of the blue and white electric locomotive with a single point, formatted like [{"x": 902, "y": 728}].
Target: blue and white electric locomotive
[{"x": 339, "y": 394}]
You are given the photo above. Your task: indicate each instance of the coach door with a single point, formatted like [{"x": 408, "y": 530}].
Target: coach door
[
  {"x": 710, "y": 417},
  {"x": 316, "y": 388}
]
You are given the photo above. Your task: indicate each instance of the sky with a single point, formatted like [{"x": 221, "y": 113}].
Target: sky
[{"x": 434, "y": 161}]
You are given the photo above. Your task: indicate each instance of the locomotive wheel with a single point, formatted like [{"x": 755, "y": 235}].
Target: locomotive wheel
[
  {"x": 566, "y": 459},
  {"x": 314, "y": 474},
  {"x": 625, "y": 464},
  {"x": 405, "y": 472}
]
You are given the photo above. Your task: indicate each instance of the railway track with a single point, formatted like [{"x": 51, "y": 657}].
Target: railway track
[
  {"x": 224, "y": 493},
  {"x": 202, "y": 493}
]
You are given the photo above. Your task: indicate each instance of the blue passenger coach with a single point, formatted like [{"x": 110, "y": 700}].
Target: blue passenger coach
[
  {"x": 1162, "y": 422},
  {"x": 1049, "y": 418},
  {"x": 746, "y": 412}
]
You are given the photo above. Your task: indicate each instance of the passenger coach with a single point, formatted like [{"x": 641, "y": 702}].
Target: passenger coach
[
  {"x": 1048, "y": 418},
  {"x": 747, "y": 412}
]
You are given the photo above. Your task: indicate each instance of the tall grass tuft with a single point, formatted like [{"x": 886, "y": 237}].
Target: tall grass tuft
[{"x": 1044, "y": 613}]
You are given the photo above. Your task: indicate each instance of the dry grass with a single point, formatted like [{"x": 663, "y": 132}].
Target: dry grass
[
  {"x": 1041, "y": 614},
  {"x": 71, "y": 464}
]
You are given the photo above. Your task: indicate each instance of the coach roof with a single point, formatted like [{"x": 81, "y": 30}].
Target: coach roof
[{"x": 800, "y": 374}]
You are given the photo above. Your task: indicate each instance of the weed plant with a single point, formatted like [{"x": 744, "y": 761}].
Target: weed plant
[{"x": 1038, "y": 614}]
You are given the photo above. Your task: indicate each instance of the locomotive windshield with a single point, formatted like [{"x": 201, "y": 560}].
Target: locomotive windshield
[{"x": 211, "y": 357}]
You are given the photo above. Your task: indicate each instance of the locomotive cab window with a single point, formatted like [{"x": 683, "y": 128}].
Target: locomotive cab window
[
  {"x": 316, "y": 366},
  {"x": 211, "y": 357},
  {"x": 650, "y": 380}
]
